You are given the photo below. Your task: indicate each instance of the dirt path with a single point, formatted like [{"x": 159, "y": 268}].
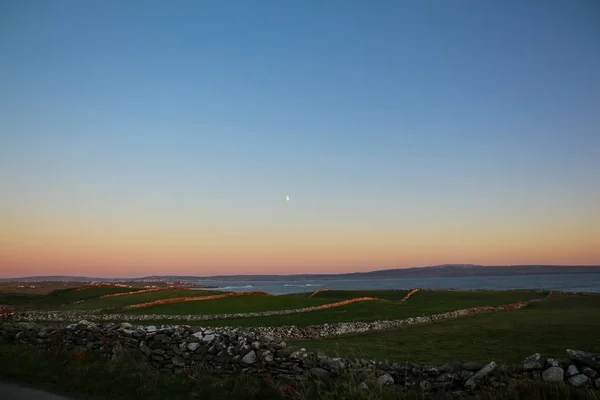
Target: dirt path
[{"x": 11, "y": 391}]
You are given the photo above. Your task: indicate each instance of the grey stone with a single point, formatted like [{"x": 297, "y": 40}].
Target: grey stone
[
  {"x": 249, "y": 358},
  {"x": 579, "y": 380},
  {"x": 208, "y": 338},
  {"x": 472, "y": 382},
  {"x": 572, "y": 370},
  {"x": 176, "y": 350},
  {"x": 471, "y": 366},
  {"x": 585, "y": 357},
  {"x": 178, "y": 361},
  {"x": 320, "y": 373},
  {"x": 193, "y": 346},
  {"x": 285, "y": 352},
  {"x": 384, "y": 380},
  {"x": 553, "y": 374},
  {"x": 425, "y": 385},
  {"x": 464, "y": 375},
  {"x": 597, "y": 383},
  {"x": 383, "y": 365},
  {"x": 533, "y": 362},
  {"x": 333, "y": 364},
  {"x": 145, "y": 349},
  {"x": 552, "y": 363},
  {"x": 448, "y": 377},
  {"x": 299, "y": 355},
  {"x": 126, "y": 325},
  {"x": 363, "y": 386},
  {"x": 446, "y": 368},
  {"x": 589, "y": 372},
  {"x": 278, "y": 346},
  {"x": 267, "y": 356}
]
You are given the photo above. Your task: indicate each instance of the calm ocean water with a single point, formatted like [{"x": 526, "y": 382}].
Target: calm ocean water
[{"x": 562, "y": 282}]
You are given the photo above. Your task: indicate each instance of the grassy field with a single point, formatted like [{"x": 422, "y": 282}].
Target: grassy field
[
  {"x": 138, "y": 298},
  {"x": 339, "y": 295},
  {"x": 549, "y": 327},
  {"x": 240, "y": 304},
  {"x": 422, "y": 303},
  {"x": 59, "y": 297}
]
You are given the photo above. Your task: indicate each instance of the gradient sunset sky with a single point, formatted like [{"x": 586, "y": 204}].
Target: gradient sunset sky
[{"x": 158, "y": 138}]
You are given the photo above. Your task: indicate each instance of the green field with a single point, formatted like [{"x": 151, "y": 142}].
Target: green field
[
  {"x": 239, "y": 304},
  {"x": 422, "y": 303},
  {"x": 138, "y": 298},
  {"x": 340, "y": 295},
  {"x": 548, "y": 327},
  {"x": 59, "y": 297}
]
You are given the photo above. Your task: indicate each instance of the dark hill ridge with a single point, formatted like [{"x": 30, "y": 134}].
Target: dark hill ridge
[{"x": 439, "y": 271}]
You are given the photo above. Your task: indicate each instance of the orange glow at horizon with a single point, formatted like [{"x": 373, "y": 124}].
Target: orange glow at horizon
[{"x": 28, "y": 252}]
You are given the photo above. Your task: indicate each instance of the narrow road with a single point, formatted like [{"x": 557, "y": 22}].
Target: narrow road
[{"x": 11, "y": 391}]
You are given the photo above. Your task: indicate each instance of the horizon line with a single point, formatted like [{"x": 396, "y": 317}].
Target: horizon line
[{"x": 311, "y": 274}]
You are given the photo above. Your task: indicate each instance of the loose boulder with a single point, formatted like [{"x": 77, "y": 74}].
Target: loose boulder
[
  {"x": 472, "y": 382},
  {"x": 533, "y": 362},
  {"x": 584, "y": 357},
  {"x": 384, "y": 380},
  {"x": 579, "y": 380},
  {"x": 553, "y": 374},
  {"x": 572, "y": 370}
]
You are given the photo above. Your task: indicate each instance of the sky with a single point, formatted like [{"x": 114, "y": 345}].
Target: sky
[{"x": 161, "y": 137}]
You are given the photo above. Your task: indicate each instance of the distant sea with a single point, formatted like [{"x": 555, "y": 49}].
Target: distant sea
[{"x": 561, "y": 282}]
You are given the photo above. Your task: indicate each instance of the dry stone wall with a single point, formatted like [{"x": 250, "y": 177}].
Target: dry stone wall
[
  {"x": 173, "y": 349},
  {"x": 290, "y": 331}
]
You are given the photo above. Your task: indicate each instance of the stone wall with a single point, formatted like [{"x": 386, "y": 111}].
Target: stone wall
[
  {"x": 290, "y": 331},
  {"x": 173, "y": 349}
]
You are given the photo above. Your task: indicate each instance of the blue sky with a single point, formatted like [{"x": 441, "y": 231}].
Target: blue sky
[{"x": 384, "y": 116}]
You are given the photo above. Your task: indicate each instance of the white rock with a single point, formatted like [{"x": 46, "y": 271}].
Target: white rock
[
  {"x": 553, "y": 374},
  {"x": 533, "y": 362},
  {"x": 126, "y": 325},
  {"x": 363, "y": 386},
  {"x": 572, "y": 370},
  {"x": 385, "y": 380},
  {"x": 208, "y": 338},
  {"x": 471, "y": 383},
  {"x": 249, "y": 358},
  {"x": 578, "y": 380},
  {"x": 193, "y": 346},
  {"x": 589, "y": 372},
  {"x": 552, "y": 363},
  {"x": 151, "y": 329}
]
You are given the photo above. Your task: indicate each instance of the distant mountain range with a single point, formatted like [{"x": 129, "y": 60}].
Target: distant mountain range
[{"x": 439, "y": 271}]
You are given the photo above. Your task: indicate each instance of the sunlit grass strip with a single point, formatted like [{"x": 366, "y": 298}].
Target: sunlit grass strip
[
  {"x": 408, "y": 296},
  {"x": 187, "y": 299},
  {"x": 133, "y": 292},
  {"x": 319, "y": 291}
]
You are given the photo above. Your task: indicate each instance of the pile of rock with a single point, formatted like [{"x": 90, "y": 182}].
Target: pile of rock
[
  {"x": 172, "y": 349},
  {"x": 582, "y": 369}
]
